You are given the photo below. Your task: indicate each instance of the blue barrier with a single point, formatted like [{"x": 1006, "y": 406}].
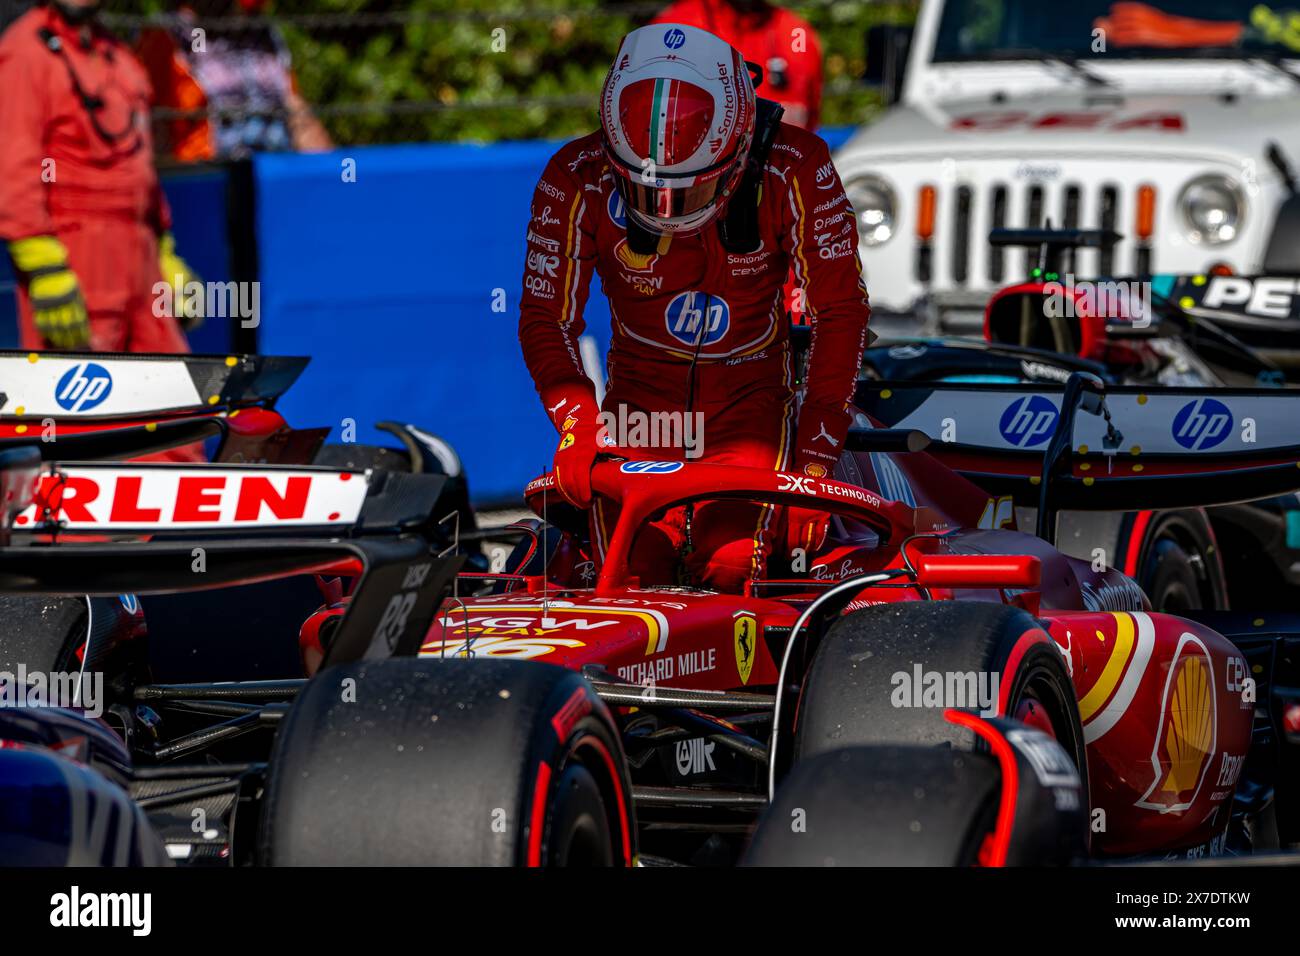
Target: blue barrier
[
  {"x": 389, "y": 283},
  {"x": 8, "y": 306}
]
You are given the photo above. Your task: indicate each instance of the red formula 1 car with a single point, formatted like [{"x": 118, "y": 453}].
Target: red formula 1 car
[
  {"x": 933, "y": 687},
  {"x": 844, "y": 690}
]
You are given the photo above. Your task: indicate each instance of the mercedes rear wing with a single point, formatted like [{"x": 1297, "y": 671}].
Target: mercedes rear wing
[{"x": 1090, "y": 446}]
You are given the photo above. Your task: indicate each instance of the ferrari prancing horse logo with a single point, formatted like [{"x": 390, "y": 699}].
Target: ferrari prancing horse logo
[{"x": 746, "y": 632}]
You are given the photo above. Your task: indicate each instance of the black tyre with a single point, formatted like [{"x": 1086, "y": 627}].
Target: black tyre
[
  {"x": 1180, "y": 568},
  {"x": 1021, "y": 805},
  {"x": 428, "y": 762},
  {"x": 579, "y": 823},
  {"x": 879, "y": 806},
  {"x": 61, "y": 634},
  {"x": 851, "y": 695},
  {"x": 42, "y": 633}
]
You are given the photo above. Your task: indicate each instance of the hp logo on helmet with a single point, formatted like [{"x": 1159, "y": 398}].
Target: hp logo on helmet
[
  {"x": 685, "y": 316},
  {"x": 1028, "y": 421},
  {"x": 650, "y": 467},
  {"x": 83, "y": 386},
  {"x": 675, "y": 39},
  {"x": 1202, "y": 424}
]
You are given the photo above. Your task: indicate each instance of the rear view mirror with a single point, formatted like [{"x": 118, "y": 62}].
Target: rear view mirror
[{"x": 977, "y": 571}]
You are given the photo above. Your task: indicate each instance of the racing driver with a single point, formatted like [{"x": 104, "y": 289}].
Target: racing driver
[{"x": 692, "y": 201}]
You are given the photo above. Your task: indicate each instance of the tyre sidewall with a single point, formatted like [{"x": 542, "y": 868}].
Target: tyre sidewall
[{"x": 854, "y": 670}]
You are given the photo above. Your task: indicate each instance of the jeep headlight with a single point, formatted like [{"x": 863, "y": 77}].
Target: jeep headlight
[
  {"x": 873, "y": 204},
  {"x": 1212, "y": 208}
]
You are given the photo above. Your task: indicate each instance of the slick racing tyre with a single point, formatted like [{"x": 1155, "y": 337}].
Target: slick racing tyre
[
  {"x": 860, "y": 686},
  {"x": 42, "y": 633},
  {"x": 1020, "y": 805},
  {"x": 64, "y": 634},
  {"x": 879, "y": 806},
  {"x": 1179, "y": 567},
  {"x": 458, "y": 762}
]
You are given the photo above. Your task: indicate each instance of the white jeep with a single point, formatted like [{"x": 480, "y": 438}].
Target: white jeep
[{"x": 1172, "y": 122}]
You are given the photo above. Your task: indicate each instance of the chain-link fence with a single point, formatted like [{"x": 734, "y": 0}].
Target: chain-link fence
[{"x": 383, "y": 71}]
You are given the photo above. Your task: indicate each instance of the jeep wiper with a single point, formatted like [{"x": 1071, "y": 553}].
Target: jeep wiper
[
  {"x": 1071, "y": 62},
  {"x": 1275, "y": 60}
]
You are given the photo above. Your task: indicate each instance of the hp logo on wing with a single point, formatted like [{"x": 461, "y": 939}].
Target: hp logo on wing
[
  {"x": 83, "y": 386},
  {"x": 1028, "y": 421},
  {"x": 675, "y": 39},
  {"x": 1202, "y": 424}
]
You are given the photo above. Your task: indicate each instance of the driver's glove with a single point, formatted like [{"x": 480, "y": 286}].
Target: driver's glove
[
  {"x": 818, "y": 444},
  {"x": 819, "y": 440},
  {"x": 806, "y": 533},
  {"x": 576, "y": 416}
]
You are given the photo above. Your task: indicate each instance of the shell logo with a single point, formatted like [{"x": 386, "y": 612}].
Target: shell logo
[
  {"x": 636, "y": 261},
  {"x": 1187, "y": 730}
]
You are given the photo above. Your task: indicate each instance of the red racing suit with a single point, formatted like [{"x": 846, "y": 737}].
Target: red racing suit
[
  {"x": 693, "y": 291},
  {"x": 61, "y": 176}
]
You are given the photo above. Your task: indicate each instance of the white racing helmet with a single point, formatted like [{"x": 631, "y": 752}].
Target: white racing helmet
[{"x": 677, "y": 120}]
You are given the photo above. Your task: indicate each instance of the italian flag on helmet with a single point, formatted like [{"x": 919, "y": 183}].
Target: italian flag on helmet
[{"x": 677, "y": 120}]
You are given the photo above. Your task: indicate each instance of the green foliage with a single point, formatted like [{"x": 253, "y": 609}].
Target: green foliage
[
  {"x": 483, "y": 70},
  {"x": 429, "y": 78}
]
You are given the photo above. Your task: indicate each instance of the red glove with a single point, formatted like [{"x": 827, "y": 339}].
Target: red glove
[
  {"x": 820, "y": 440},
  {"x": 818, "y": 445},
  {"x": 576, "y": 416},
  {"x": 806, "y": 530}
]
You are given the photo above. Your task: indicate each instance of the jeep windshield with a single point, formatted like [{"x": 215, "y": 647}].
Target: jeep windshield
[{"x": 1034, "y": 30}]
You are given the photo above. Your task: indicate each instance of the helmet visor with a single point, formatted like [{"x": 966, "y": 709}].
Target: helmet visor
[{"x": 654, "y": 202}]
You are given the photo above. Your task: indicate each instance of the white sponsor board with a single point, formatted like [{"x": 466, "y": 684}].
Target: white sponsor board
[
  {"x": 94, "y": 386},
  {"x": 104, "y": 498}
]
